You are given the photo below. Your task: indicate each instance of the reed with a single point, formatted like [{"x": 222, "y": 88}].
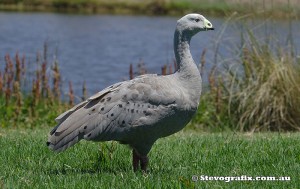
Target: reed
[
  {"x": 131, "y": 72},
  {"x": 56, "y": 80},
  {"x": 164, "y": 70},
  {"x": 1, "y": 84},
  {"x": 71, "y": 94},
  {"x": 84, "y": 91}
]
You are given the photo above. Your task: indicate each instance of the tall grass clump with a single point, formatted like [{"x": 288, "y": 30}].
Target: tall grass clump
[
  {"x": 265, "y": 96},
  {"x": 259, "y": 90}
]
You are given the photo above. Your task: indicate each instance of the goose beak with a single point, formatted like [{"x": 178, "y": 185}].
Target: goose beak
[{"x": 208, "y": 25}]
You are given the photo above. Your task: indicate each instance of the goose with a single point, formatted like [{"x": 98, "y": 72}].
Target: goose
[{"x": 138, "y": 112}]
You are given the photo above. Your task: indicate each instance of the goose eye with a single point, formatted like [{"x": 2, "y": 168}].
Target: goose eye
[{"x": 197, "y": 19}]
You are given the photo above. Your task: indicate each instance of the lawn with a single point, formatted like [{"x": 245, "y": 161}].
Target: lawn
[{"x": 27, "y": 163}]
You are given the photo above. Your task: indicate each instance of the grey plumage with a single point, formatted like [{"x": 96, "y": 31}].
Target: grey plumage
[{"x": 139, "y": 111}]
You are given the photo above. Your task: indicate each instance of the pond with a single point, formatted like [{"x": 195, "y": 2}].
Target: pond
[{"x": 98, "y": 49}]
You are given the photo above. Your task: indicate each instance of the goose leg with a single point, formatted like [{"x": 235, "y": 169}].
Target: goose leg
[
  {"x": 139, "y": 160},
  {"x": 144, "y": 162},
  {"x": 135, "y": 160}
]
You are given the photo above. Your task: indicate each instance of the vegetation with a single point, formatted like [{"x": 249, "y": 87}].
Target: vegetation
[
  {"x": 262, "y": 91},
  {"x": 31, "y": 97},
  {"x": 27, "y": 163},
  {"x": 256, "y": 89},
  {"x": 277, "y": 8}
]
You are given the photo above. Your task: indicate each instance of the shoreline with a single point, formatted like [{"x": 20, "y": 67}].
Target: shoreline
[{"x": 156, "y": 7}]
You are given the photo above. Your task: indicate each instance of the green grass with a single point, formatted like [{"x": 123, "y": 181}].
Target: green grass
[{"x": 27, "y": 163}]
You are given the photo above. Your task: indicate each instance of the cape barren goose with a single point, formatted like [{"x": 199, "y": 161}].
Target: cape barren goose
[{"x": 142, "y": 110}]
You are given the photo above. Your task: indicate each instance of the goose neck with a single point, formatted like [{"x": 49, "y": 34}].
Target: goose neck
[{"x": 184, "y": 59}]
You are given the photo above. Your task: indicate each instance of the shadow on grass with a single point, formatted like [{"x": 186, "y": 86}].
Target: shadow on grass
[
  {"x": 101, "y": 165},
  {"x": 65, "y": 170}
]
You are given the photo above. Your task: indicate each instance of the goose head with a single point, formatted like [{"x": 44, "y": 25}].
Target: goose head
[{"x": 191, "y": 24}]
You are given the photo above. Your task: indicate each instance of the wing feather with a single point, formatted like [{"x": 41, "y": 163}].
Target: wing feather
[{"x": 113, "y": 112}]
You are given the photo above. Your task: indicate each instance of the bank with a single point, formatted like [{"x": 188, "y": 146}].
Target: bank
[{"x": 277, "y": 8}]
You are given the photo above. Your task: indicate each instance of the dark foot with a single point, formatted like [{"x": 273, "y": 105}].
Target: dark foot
[{"x": 138, "y": 159}]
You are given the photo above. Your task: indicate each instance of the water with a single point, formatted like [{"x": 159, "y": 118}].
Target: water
[{"x": 98, "y": 49}]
